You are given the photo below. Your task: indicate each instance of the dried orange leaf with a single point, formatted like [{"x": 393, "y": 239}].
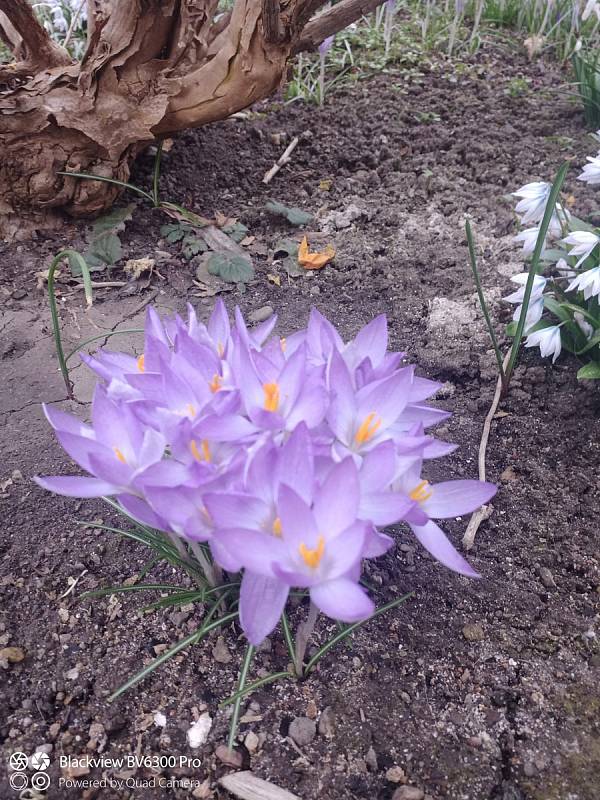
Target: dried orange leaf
[{"x": 314, "y": 260}]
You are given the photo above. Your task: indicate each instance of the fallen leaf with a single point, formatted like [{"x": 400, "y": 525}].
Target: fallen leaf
[
  {"x": 138, "y": 266},
  {"x": 272, "y": 279},
  {"x": 295, "y": 216},
  {"x": 42, "y": 277},
  {"x": 315, "y": 260},
  {"x": 325, "y": 184}
]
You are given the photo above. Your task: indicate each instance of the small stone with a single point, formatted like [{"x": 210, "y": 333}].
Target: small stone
[
  {"x": 160, "y": 720},
  {"x": 395, "y": 775},
  {"x": 371, "y": 759},
  {"x": 220, "y": 652},
  {"x": 474, "y": 741},
  {"x": 197, "y": 734},
  {"x": 546, "y": 578},
  {"x": 509, "y": 475},
  {"x": 54, "y": 730},
  {"x": 63, "y": 614},
  {"x": 327, "y": 723},
  {"x": 45, "y": 747},
  {"x": 408, "y": 793},
  {"x": 203, "y": 792},
  {"x": 12, "y": 654},
  {"x": 260, "y": 314},
  {"x": 529, "y": 769},
  {"x": 473, "y": 632},
  {"x": 302, "y": 730},
  {"x": 72, "y": 674},
  {"x": 233, "y": 758},
  {"x": 251, "y": 742},
  {"x": 312, "y": 710}
]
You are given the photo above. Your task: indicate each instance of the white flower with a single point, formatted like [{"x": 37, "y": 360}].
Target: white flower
[
  {"x": 591, "y": 171},
  {"x": 584, "y": 242},
  {"x": 533, "y": 203},
  {"x": 539, "y": 284},
  {"x": 534, "y": 313},
  {"x": 564, "y": 270},
  {"x": 529, "y": 236},
  {"x": 592, "y": 7},
  {"x": 587, "y": 282},
  {"x": 584, "y": 326},
  {"x": 548, "y": 340}
]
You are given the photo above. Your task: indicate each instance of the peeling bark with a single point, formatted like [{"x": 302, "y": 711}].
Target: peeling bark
[{"x": 151, "y": 68}]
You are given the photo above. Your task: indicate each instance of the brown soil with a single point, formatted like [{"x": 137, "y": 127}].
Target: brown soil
[{"x": 507, "y": 708}]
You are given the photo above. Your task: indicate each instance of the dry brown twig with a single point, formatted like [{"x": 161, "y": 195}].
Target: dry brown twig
[
  {"x": 283, "y": 160},
  {"x": 485, "y": 511}
]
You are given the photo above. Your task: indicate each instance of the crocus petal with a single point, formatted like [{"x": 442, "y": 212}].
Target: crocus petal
[
  {"x": 453, "y": 498},
  {"x": 262, "y": 601},
  {"x": 384, "y": 508},
  {"x": 343, "y": 552},
  {"x": 297, "y": 521},
  {"x": 337, "y": 501},
  {"x": 73, "y": 486},
  {"x": 256, "y": 551},
  {"x": 236, "y": 510},
  {"x": 342, "y": 599},
  {"x": 437, "y": 543}
]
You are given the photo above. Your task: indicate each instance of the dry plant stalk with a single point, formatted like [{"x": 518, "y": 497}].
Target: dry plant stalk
[{"x": 151, "y": 68}]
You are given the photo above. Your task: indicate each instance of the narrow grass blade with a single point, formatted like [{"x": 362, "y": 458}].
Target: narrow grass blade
[
  {"x": 101, "y": 336},
  {"x": 193, "y": 638},
  {"x": 138, "y": 587},
  {"x": 350, "y": 629},
  {"x": 287, "y": 635},
  {"x": 481, "y": 297},
  {"x": 56, "y": 321},
  {"x": 533, "y": 270},
  {"x": 102, "y": 179},
  {"x": 85, "y": 275},
  {"x": 241, "y": 684},
  {"x": 251, "y": 687}
]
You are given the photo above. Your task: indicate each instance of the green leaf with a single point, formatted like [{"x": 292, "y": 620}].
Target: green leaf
[
  {"x": 295, "y": 216},
  {"x": 590, "y": 371},
  {"x": 230, "y": 267},
  {"x": 175, "y": 231},
  {"x": 192, "y": 246},
  {"x": 595, "y": 339},
  {"x": 113, "y": 221},
  {"x": 235, "y": 231},
  {"x": 293, "y": 268},
  {"x": 286, "y": 247},
  {"x": 511, "y": 328},
  {"x": 104, "y": 249}
]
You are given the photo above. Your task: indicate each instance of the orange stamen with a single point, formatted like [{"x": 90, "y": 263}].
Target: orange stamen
[
  {"x": 205, "y": 455},
  {"x": 420, "y": 493},
  {"x": 368, "y": 428},
  {"x": 140, "y": 363},
  {"x": 312, "y": 557},
  {"x": 271, "y": 391},
  {"x": 277, "y": 529},
  {"x": 119, "y": 455},
  {"x": 216, "y": 383}
]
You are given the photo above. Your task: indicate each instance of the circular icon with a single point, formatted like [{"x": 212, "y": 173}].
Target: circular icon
[
  {"x": 18, "y": 762},
  {"x": 39, "y": 761},
  {"x": 41, "y": 781},
  {"x": 18, "y": 781}
]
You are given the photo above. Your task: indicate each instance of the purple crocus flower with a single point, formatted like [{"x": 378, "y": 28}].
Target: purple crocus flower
[
  {"x": 441, "y": 501},
  {"x": 288, "y": 456},
  {"x": 326, "y": 45}
]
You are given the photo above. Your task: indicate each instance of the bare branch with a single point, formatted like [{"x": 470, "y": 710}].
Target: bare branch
[
  {"x": 9, "y": 36},
  {"x": 40, "y": 51},
  {"x": 332, "y": 21}
]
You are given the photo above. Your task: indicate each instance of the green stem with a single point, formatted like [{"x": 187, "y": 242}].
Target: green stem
[
  {"x": 56, "y": 322},
  {"x": 239, "y": 695},
  {"x": 533, "y": 270},
  {"x": 481, "y": 297},
  {"x": 156, "y": 175}
]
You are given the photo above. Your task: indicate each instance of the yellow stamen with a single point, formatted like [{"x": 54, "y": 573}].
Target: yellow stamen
[
  {"x": 119, "y": 455},
  {"x": 140, "y": 363},
  {"x": 368, "y": 428},
  {"x": 215, "y": 384},
  {"x": 220, "y": 349},
  {"x": 312, "y": 558},
  {"x": 277, "y": 529},
  {"x": 420, "y": 493},
  {"x": 271, "y": 391},
  {"x": 191, "y": 410},
  {"x": 283, "y": 343},
  {"x": 205, "y": 455}
]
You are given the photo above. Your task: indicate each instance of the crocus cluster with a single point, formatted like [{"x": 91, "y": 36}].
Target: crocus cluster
[
  {"x": 562, "y": 310},
  {"x": 287, "y": 456}
]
